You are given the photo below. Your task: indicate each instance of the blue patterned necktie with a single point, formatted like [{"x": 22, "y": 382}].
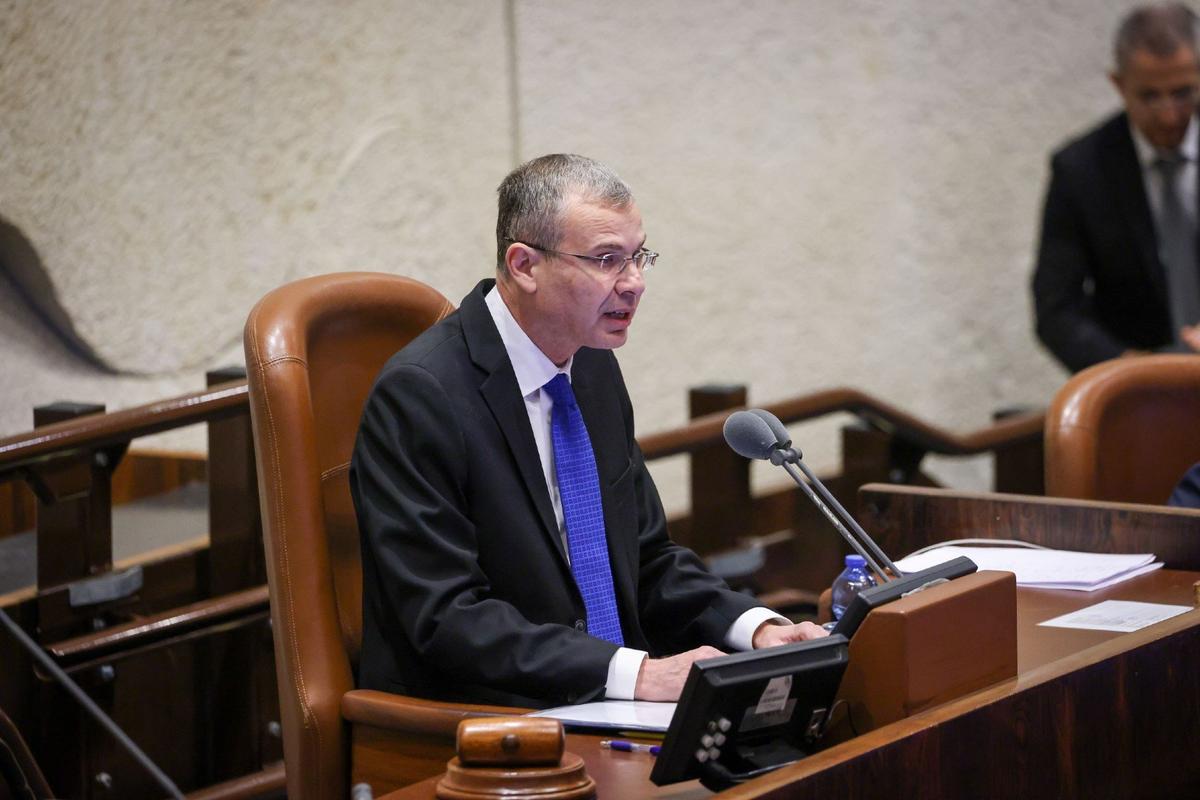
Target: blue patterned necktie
[{"x": 579, "y": 488}]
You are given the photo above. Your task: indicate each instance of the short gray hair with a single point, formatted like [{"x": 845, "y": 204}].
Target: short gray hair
[
  {"x": 532, "y": 197},
  {"x": 1158, "y": 29}
]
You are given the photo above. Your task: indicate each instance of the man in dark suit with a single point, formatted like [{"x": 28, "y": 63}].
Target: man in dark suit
[
  {"x": 1186, "y": 493},
  {"x": 1117, "y": 270},
  {"x": 514, "y": 548}
]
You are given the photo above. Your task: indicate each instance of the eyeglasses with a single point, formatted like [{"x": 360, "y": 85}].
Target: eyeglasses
[
  {"x": 1182, "y": 98},
  {"x": 610, "y": 264}
]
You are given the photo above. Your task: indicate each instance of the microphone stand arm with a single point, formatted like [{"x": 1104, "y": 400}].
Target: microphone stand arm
[{"x": 863, "y": 544}]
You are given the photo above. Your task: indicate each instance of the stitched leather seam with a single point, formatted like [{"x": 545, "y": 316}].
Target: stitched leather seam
[
  {"x": 285, "y": 359},
  {"x": 305, "y": 704},
  {"x": 332, "y": 471}
]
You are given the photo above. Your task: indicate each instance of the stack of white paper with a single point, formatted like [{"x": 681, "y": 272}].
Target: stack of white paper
[{"x": 1044, "y": 569}]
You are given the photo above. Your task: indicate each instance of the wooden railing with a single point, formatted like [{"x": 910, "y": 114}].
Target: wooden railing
[
  {"x": 706, "y": 430},
  {"x": 97, "y": 431},
  {"x": 886, "y": 445},
  {"x": 187, "y": 637},
  {"x": 68, "y": 462}
]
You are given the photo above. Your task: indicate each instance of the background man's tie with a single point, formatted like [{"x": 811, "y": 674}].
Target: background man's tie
[
  {"x": 579, "y": 487},
  {"x": 1177, "y": 247}
]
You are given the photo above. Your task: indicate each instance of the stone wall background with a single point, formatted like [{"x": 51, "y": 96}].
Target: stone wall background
[{"x": 843, "y": 193}]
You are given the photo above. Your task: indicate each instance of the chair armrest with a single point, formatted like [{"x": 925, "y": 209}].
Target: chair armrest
[
  {"x": 398, "y": 740},
  {"x": 413, "y": 714}
]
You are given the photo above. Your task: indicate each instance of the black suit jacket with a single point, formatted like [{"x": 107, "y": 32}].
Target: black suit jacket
[
  {"x": 1099, "y": 287},
  {"x": 467, "y": 592}
]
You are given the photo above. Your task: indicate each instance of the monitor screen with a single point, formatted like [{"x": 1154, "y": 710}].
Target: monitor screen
[
  {"x": 876, "y": 596},
  {"x": 744, "y": 714}
]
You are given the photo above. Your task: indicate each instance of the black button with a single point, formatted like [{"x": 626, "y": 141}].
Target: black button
[{"x": 580, "y": 626}]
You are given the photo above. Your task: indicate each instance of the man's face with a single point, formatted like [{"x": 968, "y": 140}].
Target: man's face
[
  {"x": 575, "y": 304},
  {"x": 1160, "y": 94}
]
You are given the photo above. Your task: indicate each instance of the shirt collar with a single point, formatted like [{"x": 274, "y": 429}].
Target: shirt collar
[
  {"x": 531, "y": 366},
  {"x": 1147, "y": 153}
]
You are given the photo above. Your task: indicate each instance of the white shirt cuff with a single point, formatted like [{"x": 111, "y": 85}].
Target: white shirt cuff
[
  {"x": 626, "y": 663},
  {"x": 623, "y": 669},
  {"x": 741, "y": 632}
]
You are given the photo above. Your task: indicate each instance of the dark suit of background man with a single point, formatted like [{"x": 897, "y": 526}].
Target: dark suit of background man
[
  {"x": 1117, "y": 271},
  {"x": 470, "y": 589}
]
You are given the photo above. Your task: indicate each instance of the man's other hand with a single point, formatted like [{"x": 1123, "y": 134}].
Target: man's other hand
[
  {"x": 769, "y": 634},
  {"x": 662, "y": 679},
  {"x": 1191, "y": 336}
]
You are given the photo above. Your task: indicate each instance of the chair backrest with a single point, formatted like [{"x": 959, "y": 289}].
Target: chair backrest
[
  {"x": 1125, "y": 430},
  {"x": 313, "y": 350}
]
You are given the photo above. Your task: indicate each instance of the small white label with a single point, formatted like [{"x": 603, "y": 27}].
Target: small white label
[{"x": 775, "y": 696}]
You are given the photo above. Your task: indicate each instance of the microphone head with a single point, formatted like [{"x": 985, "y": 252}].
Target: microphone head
[
  {"x": 782, "y": 439},
  {"x": 749, "y": 435}
]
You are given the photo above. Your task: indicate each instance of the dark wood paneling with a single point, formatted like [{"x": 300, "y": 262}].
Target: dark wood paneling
[
  {"x": 720, "y": 478},
  {"x": 147, "y": 473},
  {"x": 18, "y": 508},
  {"x": 74, "y": 513},
  {"x": 903, "y": 519}
]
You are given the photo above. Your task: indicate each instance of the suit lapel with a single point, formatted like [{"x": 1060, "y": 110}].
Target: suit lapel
[
  {"x": 503, "y": 397},
  {"x": 1124, "y": 172}
]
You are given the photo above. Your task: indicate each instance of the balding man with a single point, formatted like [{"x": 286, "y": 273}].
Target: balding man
[{"x": 514, "y": 547}]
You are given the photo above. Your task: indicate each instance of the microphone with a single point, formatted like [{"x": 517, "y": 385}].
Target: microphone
[
  {"x": 782, "y": 438},
  {"x": 751, "y": 436},
  {"x": 758, "y": 434}
]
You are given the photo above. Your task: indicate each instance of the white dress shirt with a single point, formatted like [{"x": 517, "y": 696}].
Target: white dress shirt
[
  {"x": 534, "y": 370},
  {"x": 1152, "y": 178}
]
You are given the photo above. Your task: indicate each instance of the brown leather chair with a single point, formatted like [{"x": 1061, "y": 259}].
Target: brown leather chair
[
  {"x": 313, "y": 349},
  {"x": 1125, "y": 430}
]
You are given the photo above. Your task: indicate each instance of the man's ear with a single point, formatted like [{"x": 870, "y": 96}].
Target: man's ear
[
  {"x": 520, "y": 260},
  {"x": 1118, "y": 83}
]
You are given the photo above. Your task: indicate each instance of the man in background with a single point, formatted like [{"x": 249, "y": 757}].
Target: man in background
[
  {"x": 1117, "y": 270},
  {"x": 514, "y": 547}
]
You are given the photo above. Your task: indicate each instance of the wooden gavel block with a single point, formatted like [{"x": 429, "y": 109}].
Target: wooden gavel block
[{"x": 513, "y": 757}]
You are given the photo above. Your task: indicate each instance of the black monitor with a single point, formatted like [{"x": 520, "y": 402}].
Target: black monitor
[
  {"x": 745, "y": 714},
  {"x": 876, "y": 596}
]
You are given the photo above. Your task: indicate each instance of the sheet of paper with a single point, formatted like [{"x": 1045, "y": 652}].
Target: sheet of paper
[
  {"x": 1122, "y": 616},
  {"x": 622, "y": 715},
  {"x": 1051, "y": 569}
]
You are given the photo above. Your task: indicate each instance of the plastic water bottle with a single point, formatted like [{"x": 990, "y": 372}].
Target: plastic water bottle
[{"x": 852, "y": 580}]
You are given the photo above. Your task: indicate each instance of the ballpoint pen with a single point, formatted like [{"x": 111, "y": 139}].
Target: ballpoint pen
[{"x": 630, "y": 747}]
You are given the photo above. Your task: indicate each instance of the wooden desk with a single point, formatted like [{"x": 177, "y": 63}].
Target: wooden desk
[{"x": 1090, "y": 714}]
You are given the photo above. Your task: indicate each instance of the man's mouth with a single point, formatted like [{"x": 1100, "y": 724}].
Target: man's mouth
[{"x": 618, "y": 314}]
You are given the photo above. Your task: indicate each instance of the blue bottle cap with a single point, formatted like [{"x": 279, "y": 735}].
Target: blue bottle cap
[{"x": 855, "y": 561}]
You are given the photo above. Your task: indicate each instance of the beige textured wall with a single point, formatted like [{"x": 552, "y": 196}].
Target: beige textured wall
[{"x": 843, "y": 193}]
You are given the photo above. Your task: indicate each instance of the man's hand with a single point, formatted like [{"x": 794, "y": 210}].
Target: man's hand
[
  {"x": 1190, "y": 334},
  {"x": 769, "y": 634},
  {"x": 662, "y": 679}
]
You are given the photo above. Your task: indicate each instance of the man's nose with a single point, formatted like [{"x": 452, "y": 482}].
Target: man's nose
[
  {"x": 631, "y": 280},
  {"x": 1174, "y": 114}
]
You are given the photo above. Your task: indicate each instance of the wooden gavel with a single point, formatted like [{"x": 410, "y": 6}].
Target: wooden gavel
[{"x": 513, "y": 757}]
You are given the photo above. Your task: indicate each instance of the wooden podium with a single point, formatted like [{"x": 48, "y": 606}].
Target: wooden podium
[
  {"x": 1086, "y": 714},
  {"x": 928, "y": 648}
]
